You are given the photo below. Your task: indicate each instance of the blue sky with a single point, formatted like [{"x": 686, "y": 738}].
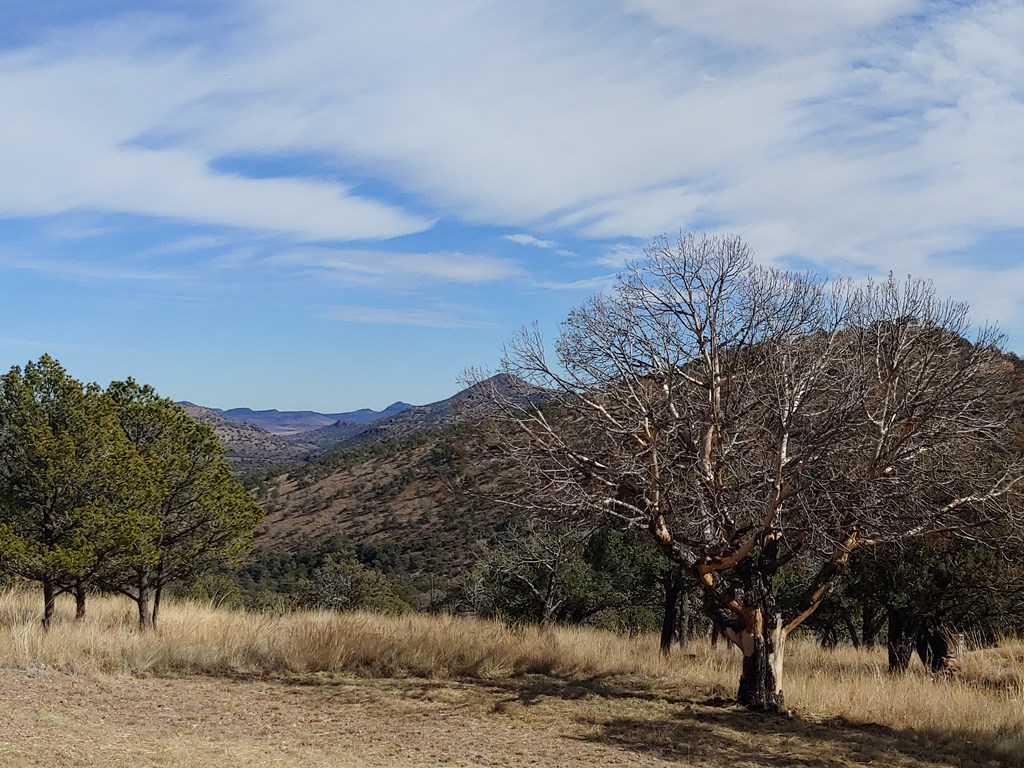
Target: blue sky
[{"x": 330, "y": 204}]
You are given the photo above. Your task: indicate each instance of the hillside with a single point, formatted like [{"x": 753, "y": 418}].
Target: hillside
[
  {"x": 249, "y": 448},
  {"x": 421, "y": 499},
  {"x": 464, "y": 406},
  {"x": 260, "y": 442},
  {"x": 418, "y": 488},
  {"x": 333, "y": 434}
]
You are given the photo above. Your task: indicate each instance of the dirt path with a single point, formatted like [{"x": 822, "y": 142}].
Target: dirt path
[{"x": 53, "y": 719}]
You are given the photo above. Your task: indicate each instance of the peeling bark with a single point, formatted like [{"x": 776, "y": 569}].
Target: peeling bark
[
  {"x": 762, "y": 634},
  {"x": 778, "y": 656},
  {"x": 760, "y": 689}
]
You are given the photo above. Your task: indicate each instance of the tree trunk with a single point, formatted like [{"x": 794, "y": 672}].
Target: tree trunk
[
  {"x": 932, "y": 648},
  {"x": 49, "y": 599},
  {"x": 900, "y": 644},
  {"x": 79, "y": 600},
  {"x": 673, "y": 586},
  {"x": 156, "y": 603},
  {"x": 871, "y": 622},
  {"x": 851, "y": 628},
  {"x": 762, "y": 646},
  {"x": 545, "y": 613},
  {"x": 683, "y": 622},
  {"x": 144, "y": 600},
  {"x": 158, "y": 590},
  {"x": 829, "y": 636}
]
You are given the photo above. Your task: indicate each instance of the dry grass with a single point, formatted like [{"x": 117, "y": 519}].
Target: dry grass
[
  {"x": 614, "y": 693},
  {"x": 196, "y": 638}
]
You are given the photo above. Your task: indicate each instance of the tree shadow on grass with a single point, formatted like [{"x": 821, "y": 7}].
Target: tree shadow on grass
[
  {"x": 702, "y": 734},
  {"x": 712, "y": 731},
  {"x": 716, "y": 731},
  {"x": 531, "y": 689}
]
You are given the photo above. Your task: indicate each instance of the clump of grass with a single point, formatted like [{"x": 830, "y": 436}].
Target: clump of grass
[{"x": 983, "y": 705}]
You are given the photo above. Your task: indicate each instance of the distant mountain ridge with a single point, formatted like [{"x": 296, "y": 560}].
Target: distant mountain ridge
[
  {"x": 462, "y": 406},
  {"x": 288, "y": 423},
  {"x": 249, "y": 447},
  {"x": 257, "y": 441}
]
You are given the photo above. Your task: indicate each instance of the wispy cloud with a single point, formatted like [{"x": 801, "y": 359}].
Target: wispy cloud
[
  {"x": 530, "y": 240},
  {"x": 620, "y": 255},
  {"x": 398, "y": 268},
  {"x": 282, "y": 156},
  {"x": 845, "y": 129},
  {"x": 86, "y": 272},
  {"x": 428, "y": 318},
  {"x": 81, "y": 101},
  {"x": 590, "y": 284},
  {"x": 785, "y": 26}
]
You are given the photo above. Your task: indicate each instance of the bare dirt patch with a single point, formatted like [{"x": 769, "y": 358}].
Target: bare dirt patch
[{"x": 55, "y": 719}]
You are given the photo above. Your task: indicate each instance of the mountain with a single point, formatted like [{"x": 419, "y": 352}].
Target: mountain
[
  {"x": 463, "y": 406},
  {"x": 418, "y": 486},
  {"x": 333, "y": 434},
  {"x": 415, "y": 486},
  {"x": 294, "y": 422},
  {"x": 422, "y": 502},
  {"x": 248, "y": 448},
  {"x": 257, "y": 441},
  {"x": 365, "y": 415}
]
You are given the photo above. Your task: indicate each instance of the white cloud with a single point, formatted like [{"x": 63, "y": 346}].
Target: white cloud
[
  {"x": 429, "y": 318},
  {"x": 77, "y": 108},
  {"x": 619, "y": 255},
  {"x": 863, "y": 133},
  {"x": 589, "y": 285},
  {"x": 530, "y": 240},
  {"x": 86, "y": 271},
  {"x": 781, "y": 25},
  {"x": 395, "y": 268}
]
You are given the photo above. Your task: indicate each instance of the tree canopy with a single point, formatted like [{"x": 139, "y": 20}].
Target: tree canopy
[
  {"x": 199, "y": 517},
  {"x": 117, "y": 487},
  {"x": 71, "y": 489},
  {"x": 749, "y": 418}
]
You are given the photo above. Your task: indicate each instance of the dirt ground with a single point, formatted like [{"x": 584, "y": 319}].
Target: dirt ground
[{"x": 51, "y": 718}]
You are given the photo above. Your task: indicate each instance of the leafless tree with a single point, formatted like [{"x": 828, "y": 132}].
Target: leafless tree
[
  {"x": 534, "y": 555},
  {"x": 747, "y": 416}
]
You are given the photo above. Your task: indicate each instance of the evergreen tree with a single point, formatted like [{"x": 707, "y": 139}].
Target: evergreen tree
[
  {"x": 200, "y": 517},
  {"x": 71, "y": 489}
]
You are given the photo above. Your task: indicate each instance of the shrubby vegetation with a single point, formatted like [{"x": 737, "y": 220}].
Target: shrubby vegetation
[
  {"x": 557, "y": 573},
  {"x": 925, "y": 596},
  {"x": 332, "y": 574}
]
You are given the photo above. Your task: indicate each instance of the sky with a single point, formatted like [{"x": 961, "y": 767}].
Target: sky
[{"x": 331, "y": 204}]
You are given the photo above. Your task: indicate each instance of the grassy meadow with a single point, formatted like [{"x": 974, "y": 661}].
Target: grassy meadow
[{"x": 218, "y": 687}]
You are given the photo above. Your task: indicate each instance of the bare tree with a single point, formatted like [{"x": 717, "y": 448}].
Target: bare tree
[
  {"x": 539, "y": 556},
  {"x": 746, "y": 416}
]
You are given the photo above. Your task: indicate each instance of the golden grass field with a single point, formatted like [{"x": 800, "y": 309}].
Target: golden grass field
[{"x": 215, "y": 687}]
